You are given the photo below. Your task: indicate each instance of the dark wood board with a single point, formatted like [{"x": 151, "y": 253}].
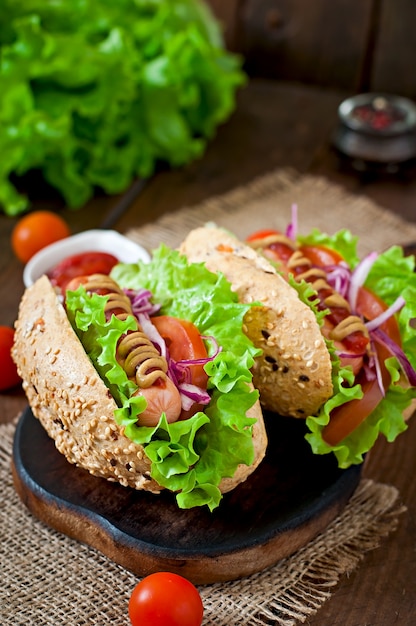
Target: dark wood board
[{"x": 291, "y": 497}]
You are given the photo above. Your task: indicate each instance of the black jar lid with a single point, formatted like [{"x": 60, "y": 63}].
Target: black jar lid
[{"x": 377, "y": 128}]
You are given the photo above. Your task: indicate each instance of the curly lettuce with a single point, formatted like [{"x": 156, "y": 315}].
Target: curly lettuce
[
  {"x": 188, "y": 457},
  {"x": 392, "y": 275},
  {"x": 97, "y": 92}
]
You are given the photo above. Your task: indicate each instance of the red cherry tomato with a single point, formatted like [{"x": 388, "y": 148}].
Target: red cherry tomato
[
  {"x": 184, "y": 343},
  {"x": 8, "y": 371},
  {"x": 36, "y": 231},
  {"x": 83, "y": 264},
  {"x": 165, "y": 599}
]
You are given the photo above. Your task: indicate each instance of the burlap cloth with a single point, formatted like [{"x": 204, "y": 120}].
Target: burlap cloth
[{"x": 49, "y": 579}]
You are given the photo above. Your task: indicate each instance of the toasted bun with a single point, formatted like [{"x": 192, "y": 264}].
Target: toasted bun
[
  {"x": 74, "y": 405},
  {"x": 293, "y": 374}
]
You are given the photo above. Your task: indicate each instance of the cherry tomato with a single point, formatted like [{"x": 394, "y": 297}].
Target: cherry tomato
[
  {"x": 36, "y": 231},
  {"x": 85, "y": 263},
  {"x": 184, "y": 343},
  {"x": 347, "y": 417},
  {"x": 8, "y": 371},
  {"x": 165, "y": 599}
]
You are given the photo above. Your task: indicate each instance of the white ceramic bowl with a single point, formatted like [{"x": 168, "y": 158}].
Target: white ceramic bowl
[{"x": 126, "y": 250}]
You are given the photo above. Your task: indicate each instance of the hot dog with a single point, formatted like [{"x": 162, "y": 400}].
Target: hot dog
[
  {"x": 366, "y": 311},
  {"x": 293, "y": 369},
  {"x": 124, "y": 398}
]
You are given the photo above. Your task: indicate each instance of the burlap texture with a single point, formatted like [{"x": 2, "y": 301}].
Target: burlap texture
[
  {"x": 49, "y": 579},
  {"x": 266, "y": 203}
]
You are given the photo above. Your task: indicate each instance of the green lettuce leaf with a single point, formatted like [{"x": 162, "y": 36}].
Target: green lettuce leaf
[
  {"x": 188, "y": 457},
  {"x": 391, "y": 276},
  {"x": 97, "y": 92}
]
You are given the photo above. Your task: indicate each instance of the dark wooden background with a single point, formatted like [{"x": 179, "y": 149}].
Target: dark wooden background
[{"x": 358, "y": 45}]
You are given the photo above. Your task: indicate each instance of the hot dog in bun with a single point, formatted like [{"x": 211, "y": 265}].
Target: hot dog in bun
[
  {"x": 366, "y": 311},
  {"x": 293, "y": 369},
  {"x": 143, "y": 378}
]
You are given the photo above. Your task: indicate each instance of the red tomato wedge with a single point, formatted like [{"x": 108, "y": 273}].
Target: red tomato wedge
[
  {"x": 346, "y": 418},
  {"x": 83, "y": 264},
  {"x": 184, "y": 343}
]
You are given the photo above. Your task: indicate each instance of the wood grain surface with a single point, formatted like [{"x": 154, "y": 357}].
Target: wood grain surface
[{"x": 286, "y": 502}]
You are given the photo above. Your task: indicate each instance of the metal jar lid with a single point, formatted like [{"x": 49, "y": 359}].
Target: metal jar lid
[{"x": 377, "y": 128}]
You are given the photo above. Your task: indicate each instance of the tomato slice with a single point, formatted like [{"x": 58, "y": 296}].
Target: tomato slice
[
  {"x": 184, "y": 343},
  {"x": 85, "y": 264},
  {"x": 346, "y": 418}
]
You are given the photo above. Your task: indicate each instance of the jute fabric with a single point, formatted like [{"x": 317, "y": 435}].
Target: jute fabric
[{"x": 49, "y": 579}]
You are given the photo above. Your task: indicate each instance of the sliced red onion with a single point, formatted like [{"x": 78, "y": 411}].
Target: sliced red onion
[
  {"x": 379, "y": 374},
  {"x": 178, "y": 372},
  {"x": 187, "y": 403},
  {"x": 152, "y": 333},
  {"x": 194, "y": 393},
  {"x": 380, "y": 319},
  {"x": 141, "y": 301},
  {"x": 217, "y": 350},
  {"x": 359, "y": 276},
  {"x": 350, "y": 355},
  {"x": 292, "y": 229},
  {"x": 370, "y": 370},
  {"x": 339, "y": 276},
  {"x": 381, "y": 337}
]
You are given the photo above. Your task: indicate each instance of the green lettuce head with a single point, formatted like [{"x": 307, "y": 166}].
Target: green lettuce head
[{"x": 95, "y": 93}]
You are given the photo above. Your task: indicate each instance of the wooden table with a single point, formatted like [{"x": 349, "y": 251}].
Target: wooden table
[{"x": 275, "y": 125}]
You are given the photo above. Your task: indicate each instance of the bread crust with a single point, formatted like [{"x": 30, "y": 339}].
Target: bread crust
[
  {"x": 294, "y": 372},
  {"x": 74, "y": 405}
]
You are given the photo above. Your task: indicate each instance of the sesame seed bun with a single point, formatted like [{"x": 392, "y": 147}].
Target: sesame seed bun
[
  {"x": 74, "y": 405},
  {"x": 293, "y": 373}
]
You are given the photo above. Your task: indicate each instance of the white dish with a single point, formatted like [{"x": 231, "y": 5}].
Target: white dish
[{"x": 126, "y": 250}]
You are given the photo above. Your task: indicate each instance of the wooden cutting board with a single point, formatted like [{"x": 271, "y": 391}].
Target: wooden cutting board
[{"x": 290, "y": 498}]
